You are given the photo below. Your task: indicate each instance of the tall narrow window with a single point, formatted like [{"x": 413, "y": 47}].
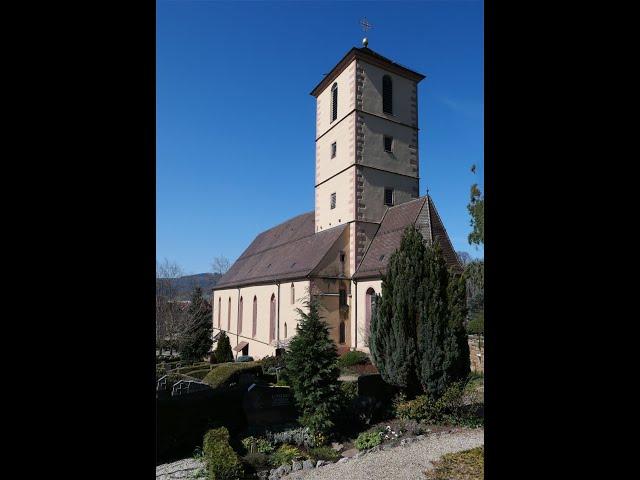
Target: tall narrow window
[
  {"x": 342, "y": 258},
  {"x": 285, "y": 330},
  {"x": 343, "y": 333},
  {"x": 343, "y": 297},
  {"x": 333, "y": 201},
  {"x": 229, "y": 316},
  {"x": 219, "y": 309},
  {"x": 255, "y": 317},
  {"x": 387, "y": 95},
  {"x": 334, "y": 148},
  {"x": 369, "y": 307},
  {"x": 388, "y": 144},
  {"x": 272, "y": 318},
  {"x": 334, "y": 102},
  {"x": 293, "y": 293},
  {"x": 240, "y": 309},
  {"x": 388, "y": 196}
]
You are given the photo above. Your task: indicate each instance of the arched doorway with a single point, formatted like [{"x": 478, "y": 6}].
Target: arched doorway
[
  {"x": 272, "y": 318},
  {"x": 369, "y": 309}
]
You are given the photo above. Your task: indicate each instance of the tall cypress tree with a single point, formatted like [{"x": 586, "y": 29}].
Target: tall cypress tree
[
  {"x": 393, "y": 336},
  {"x": 196, "y": 339},
  {"x": 312, "y": 371},
  {"x": 457, "y": 362}
]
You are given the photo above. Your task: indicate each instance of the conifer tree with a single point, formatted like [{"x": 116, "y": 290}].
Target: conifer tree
[
  {"x": 223, "y": 352},
  {"x": 196, "y": 339},
  {"x": 393, "y": 336},
  {"x": 457, "y": 362},
  {"x": 312, "y": 371}
]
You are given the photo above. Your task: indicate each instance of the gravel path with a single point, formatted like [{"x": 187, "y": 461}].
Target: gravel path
[
  {"x": 398, "y": 463},
  {"x": 187, "y": 468}
]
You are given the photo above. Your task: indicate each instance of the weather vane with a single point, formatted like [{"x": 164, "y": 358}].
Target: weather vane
[{"x": 366, "y": 26}]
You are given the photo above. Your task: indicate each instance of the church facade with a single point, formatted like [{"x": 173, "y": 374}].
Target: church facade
[{"x": 366, "y": 193}]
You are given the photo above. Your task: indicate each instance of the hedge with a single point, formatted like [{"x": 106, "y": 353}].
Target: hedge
[{"x": 226, "y": 373}]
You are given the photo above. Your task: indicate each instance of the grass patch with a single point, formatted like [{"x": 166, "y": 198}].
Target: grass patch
[{"x": 467, "y": 465}]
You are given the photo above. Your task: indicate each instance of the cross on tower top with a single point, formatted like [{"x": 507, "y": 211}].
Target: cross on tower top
[{"x": 364, "y": 23}]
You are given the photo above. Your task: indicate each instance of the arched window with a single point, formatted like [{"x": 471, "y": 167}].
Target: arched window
[
  {"x": 343, "y": 333},
  {"x": 255, "y": 316},
  {"x": 229, "y": 316},
  {"x": 293, "y": 293},
  {"x": 219, "y": 309},
  {"x": 240, "y": 309},
  {"x": 334, "y": 102},
  {"x": 387, "y": 95},
  {"x": 272, "y": 318},
  {"x": 285, "y": 330},
  {"x": 369, "y": 309}
]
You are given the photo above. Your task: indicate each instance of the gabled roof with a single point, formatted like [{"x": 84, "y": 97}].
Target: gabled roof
[
  {"x": 420, "y": 212},
  {"x": 368, "y": 56},
  {"x": 287, "y": 251}
]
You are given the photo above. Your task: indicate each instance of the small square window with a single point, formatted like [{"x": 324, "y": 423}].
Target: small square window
[
  {"x": 388, "y": 196},
  {"x": 333, "y": 150},
  {"x": 333, "y": 201},
  {"x": 388, "y": 143}
]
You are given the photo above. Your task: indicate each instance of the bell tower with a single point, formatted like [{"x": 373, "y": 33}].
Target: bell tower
[{"x": 366, "y": 144}]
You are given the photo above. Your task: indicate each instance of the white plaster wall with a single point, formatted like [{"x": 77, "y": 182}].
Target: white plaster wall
[
  {"x": 346, "y": 99},
  {"x": 404, "y": 155},
  {"x": 359, "y": 324},
  {"x": 258, "y": 345},
  {"x": 344, "y": 187},
  {"x": 344, "y": 136},
  {"x": 375, "y": 182},
  {"x": 405, "y": 94}
]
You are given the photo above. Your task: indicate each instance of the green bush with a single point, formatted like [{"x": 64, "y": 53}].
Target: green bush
[
  {"x": 349, "y": 390},
  {"x": 270, "y": 363},
  {"x": 226, "y": 373},
  {"x": 476, "y": 324},
  {"x": 262, "y": 445},
  {"x": 222, "y": 462},
  {"x": 368, "y": 440},
  {"x": 286, "y": 454},
  {"x": 324, "y": 453},
  {"x": 299, "y": 436},
  {"x": 353, "y": 357}
]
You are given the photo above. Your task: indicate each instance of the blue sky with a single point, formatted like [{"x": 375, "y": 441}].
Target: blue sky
[{"x": 236, "y": 124}]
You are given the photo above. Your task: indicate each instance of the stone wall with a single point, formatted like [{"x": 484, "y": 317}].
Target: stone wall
[{"x": 476, "y": 352}]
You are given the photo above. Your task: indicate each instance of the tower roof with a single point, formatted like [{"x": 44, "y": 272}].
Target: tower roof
[{"x": 368, "y": 56}]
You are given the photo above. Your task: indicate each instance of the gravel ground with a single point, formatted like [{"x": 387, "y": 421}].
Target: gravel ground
[
  {"x": 399, "y": 463},
  {"x": 187, "y": 468}
]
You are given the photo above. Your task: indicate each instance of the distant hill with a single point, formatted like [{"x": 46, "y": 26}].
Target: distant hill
[{"x": 186, "y": 284}]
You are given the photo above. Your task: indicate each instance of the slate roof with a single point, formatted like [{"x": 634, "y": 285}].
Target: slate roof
[
  {"x": 420, "y": 212},
  {"x": 287, "y": 251}
]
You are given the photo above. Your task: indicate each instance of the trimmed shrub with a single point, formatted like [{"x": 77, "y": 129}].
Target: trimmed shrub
[
  {"x": 286, "y": 454},
  {"x": 222, "y": 462},
  {"x": 352, "y": 358},
  {"x": 223, "y": 352},
  {"x": 199, "y": 374},
  {"x": 323, "y": 453},
  {"x": 227, "y": 373},
  {"x": 369, "y": 439}
]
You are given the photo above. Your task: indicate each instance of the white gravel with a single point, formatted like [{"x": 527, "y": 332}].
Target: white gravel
[
  {"x": 183, "y": 469},
  {"x": 398, "y": 463}
]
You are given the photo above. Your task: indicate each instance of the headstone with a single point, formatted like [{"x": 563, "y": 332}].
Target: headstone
[
  {"x": 188, "y": 387},
  {"x": 267, "y": 405},
  {"x": 161, "y": 384}
]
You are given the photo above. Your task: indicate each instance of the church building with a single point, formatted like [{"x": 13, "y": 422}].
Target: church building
[{"x": 366, "y": 193}]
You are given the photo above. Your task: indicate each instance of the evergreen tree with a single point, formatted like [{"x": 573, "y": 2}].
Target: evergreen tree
[
  {"x": 312, "y": 371},
  {"x": 393, "y": 338},
  {"x": 223, "y": 352},
  {"x": 196, "y": 339},
  {"x": 417, "y": 340}
]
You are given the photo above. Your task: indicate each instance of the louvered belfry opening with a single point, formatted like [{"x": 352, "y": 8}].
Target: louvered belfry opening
[
  {"x": 334, "y": 102},
  {"x": 387, "y": 95}
]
